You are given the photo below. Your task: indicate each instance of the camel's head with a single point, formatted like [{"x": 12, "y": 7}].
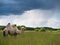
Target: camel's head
[
  {"x": 22, "y": 29},
  {"x": 8, "y": 24}
]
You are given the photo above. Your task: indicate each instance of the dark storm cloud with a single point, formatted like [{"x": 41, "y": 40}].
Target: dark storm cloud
[{"x": 19, "y": 6}]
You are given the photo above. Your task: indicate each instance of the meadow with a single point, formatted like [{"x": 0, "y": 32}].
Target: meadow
[{"x": 32, "y": 38}]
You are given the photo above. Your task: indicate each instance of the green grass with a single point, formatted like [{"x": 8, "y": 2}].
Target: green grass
[{"x": 32, "y": 38}]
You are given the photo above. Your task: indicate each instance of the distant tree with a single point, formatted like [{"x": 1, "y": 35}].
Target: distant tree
[
  {"x": 30, "y": 28},
  {"x": 2, "y": 27},
  {"x": 37, "y": 29},
  {"x": 23, "y": 26},
  {"x": 43, "y": 29},
  {"x": 19, "y": 27}
]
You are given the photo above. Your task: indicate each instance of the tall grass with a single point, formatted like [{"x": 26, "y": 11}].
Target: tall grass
[{"x": 32, "y": 38}]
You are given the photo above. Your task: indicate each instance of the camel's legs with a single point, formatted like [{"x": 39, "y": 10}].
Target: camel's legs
[{"x": 4, "y": 33}]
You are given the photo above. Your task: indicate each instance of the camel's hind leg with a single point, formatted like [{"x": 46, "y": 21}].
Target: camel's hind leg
[{"x": 15, "y": 34}]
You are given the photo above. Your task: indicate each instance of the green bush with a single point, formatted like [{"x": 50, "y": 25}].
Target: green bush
[{"x": 43, "y": 29}]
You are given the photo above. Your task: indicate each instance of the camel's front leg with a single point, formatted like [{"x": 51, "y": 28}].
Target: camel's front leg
[{"x": 5, "y": 33}]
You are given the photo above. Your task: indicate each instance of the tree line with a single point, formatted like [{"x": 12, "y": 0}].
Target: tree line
[{"x": 34, "y": 29}]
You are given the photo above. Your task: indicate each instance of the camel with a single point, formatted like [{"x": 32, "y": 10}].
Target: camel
[
  {"x": 12, "y": 30},
  {"x": 8, "y": 29},
  {"x": 17, "y": 31}
]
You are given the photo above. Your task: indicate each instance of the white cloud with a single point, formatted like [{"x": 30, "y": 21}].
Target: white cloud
[
  {"x": 32, "y": 18},
  {"x": 53, "y": 23}
]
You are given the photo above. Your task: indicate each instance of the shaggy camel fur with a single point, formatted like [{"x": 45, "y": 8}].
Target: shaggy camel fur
[{"x": 12, "y": 30}]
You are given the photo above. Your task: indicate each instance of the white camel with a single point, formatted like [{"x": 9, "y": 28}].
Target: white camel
[
  {"x": 8, "y": 29},
  {"x": 17, "y": 31},
  {"x": 12, "y": 30}
]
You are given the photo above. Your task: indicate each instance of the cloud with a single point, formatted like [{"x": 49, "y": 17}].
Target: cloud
[
  {"x": 53, "y": 23},
  {"x": 19, "y": 6},
  {"x": 32, "y": 18}
]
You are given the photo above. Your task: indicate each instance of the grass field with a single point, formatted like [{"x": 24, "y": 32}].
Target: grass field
[{"x": 32, "y": 38}]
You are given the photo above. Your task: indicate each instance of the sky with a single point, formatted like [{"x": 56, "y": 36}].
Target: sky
[{"x": 31, "y": 13}]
